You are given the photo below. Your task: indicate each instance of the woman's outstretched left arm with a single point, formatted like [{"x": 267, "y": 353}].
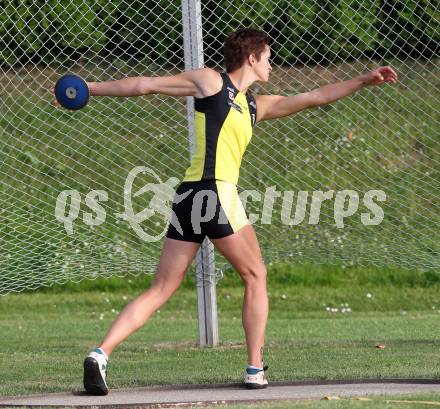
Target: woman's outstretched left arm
[{"x": 278, "y": 106}]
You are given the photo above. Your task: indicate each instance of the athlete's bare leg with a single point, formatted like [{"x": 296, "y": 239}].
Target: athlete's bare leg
[
  {"x": 243, "y": 252},
  {"x": 175, "y": 259}
]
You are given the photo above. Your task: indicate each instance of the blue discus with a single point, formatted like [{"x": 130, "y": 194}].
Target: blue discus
[{"x": 72, "y": 92}]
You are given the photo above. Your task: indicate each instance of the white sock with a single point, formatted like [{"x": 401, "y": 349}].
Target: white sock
[
  {"x": 103, "y": 353},
  {"x": 254, "y": 367}
]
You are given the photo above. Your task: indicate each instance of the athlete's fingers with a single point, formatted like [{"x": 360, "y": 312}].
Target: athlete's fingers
[
  {"x": 383, "y": 75},
  {"x": 386, "y": 70},
  {"x": 393, "y": 72},
  {"x": 391, "y": 78},
  {"x": 388, "y": 73},
  {"x": 54, "y": 102}
]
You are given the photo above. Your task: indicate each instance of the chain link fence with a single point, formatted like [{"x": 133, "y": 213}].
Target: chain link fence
[{"x": 64, "y": 176}]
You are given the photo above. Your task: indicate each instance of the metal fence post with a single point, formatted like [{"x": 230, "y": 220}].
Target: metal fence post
[{"x": 205, "y": 262}]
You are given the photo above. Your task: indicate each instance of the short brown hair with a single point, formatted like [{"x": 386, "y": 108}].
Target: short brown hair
[{"x": 240, "y": 44}]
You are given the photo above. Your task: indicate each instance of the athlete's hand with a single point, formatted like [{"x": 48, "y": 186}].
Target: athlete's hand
[
  {"x": 380, "y": 76},
  {"x": 54, "y": 102}
]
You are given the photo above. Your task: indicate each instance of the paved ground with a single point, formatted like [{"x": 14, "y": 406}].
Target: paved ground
[{"x": 184, "y": 395}]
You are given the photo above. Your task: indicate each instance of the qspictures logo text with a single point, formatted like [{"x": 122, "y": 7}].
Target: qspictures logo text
[{"x": 346, "y": 204}]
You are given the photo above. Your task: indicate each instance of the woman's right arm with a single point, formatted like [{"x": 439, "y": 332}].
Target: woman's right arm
[{"x": 198, "y": 83}]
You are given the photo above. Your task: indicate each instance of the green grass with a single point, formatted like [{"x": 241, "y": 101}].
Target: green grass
[
  {"x": 382, "y": 402},
  {"x": 44, "y": 335},
  {"x": 413, "y": 401}
]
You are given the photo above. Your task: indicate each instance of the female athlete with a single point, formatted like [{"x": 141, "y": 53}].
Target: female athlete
[{"x": 225, "y": 113}]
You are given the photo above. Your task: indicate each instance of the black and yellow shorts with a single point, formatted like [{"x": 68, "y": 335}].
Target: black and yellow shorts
[{"x": 206, "y": 208}]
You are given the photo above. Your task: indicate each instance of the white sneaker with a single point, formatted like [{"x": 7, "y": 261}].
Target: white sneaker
[
  {"x": 255, "y": 379},
  {"x": 95, "y": 370}
]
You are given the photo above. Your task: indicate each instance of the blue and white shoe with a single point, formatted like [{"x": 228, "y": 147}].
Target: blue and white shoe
[
  {"x": 255, "y": 378},
  {"x": 95, "y": 371}
]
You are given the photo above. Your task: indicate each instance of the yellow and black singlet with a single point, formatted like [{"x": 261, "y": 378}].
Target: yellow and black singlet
[
  {"x": 223, "y": 129},
  {"x": 207, "y": 201}
]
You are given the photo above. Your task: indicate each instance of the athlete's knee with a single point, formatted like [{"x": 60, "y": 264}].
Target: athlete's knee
[
  {"x": 165, "y": 288},
  {"x": 254, "y": 274}
]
